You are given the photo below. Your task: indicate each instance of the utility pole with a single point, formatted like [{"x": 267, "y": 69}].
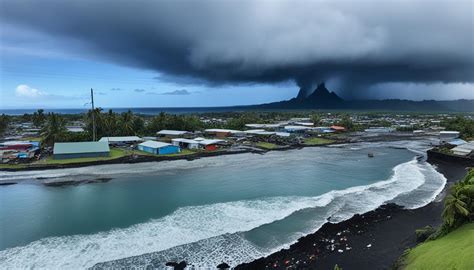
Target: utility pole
[{"x": 93, "y": 116}]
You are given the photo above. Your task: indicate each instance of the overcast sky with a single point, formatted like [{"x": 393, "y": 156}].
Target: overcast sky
[{"x": 217, "y": 53}]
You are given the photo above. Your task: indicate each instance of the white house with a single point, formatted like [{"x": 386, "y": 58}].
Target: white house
[
  {"x": 172, "y": 133},
  {"x": 185, "y": 143},
  {"x": 446, "y": 136}
]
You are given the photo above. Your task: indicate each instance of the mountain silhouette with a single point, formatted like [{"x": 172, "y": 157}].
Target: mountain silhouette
[{"x": 322, "y": 98}]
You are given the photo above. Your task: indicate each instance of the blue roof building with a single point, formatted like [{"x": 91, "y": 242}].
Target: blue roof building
[{"x": 158, "y": 148}]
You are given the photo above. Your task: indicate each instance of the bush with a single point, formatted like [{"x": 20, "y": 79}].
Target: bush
[{"x": 424, "y": 233}]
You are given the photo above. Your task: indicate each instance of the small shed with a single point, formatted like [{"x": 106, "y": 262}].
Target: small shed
[
  {"x": 211, "y": 145},
  {"x": 296, "y": 129},
  {"x": 338, "y": 128},
  {"x": 173, "y": 133},
  {"x": 80, "y": 150},
  {"x": 158, "y": 148},
  {"x": 222, "y": 133},
  {"x": 185, "y": 143},
  {"x": 121, "y": 140},
  {"x": 446, "y": 136}
]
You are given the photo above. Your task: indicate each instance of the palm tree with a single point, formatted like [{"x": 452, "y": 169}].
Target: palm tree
[
  {"x": 38, "y": 118},
  {"x": 128, "y": 123},
  {"x": 110, "y": 124},
  {"x": 456, "y": 206},
  {"x": 99, "y": 123},
  {"x": 54, "y": 129}
]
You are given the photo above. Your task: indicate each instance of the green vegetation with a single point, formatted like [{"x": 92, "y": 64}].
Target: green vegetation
[
  {"x": 13, "y": 166},
  {"x": 32, "y": 139},
  {"x": 444, "y": 149},
  {"x": 453, "y": 251},
  {"x": 459, "y": 204},
  {"x": 54, "y": 129},
  {"x": 239, "y": 122},
  {"x": 452, "y": 245},
  {"x": 38, "y": 118},
  {"x": 462, "y": 124},
  {"x": 266, "y": 145},
  {"x": 317, "y": 141},
  {"x": 173, "y": 122},
  {"x": 4, "y": 120},
  {"x": 114, "y": 153}
]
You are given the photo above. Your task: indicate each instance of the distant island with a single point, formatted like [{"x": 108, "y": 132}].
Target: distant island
[{"x": 322, "y": 98}]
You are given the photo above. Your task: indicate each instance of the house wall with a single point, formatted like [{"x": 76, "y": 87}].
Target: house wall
[
  {"x": 81, "y": 155},
  {"x": 170, "y": 149},
  {"x": 222, "y": 134},
  {"x": 211, "y": 147},
  {"x": 148, "y": 149}
]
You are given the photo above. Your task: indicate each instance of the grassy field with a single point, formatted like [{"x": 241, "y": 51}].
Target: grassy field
[
  {"x": 453, "y": 251},
  {"x": 317, "y": 141},
  {"x": 114, "y": 153},
  {"x": 31, "y": 139},
  {"x": 13, "y": 166},
  {"x": 266, "y": 145}
]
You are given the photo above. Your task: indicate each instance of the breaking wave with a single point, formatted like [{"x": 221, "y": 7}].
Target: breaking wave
[{"x": 209, "y": 234}]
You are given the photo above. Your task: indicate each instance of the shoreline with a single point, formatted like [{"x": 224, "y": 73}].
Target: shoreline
[
  {"x": 158, "y": 158},
  {"x": 376, "y": 238},
  {"x": 198, "y": 155}
]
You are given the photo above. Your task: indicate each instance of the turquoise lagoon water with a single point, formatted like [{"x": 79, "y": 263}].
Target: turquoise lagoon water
[{"x": 229, "y": 208}]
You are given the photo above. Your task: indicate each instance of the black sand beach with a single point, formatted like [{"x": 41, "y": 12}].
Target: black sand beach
[{"x": 374, "y": 240}]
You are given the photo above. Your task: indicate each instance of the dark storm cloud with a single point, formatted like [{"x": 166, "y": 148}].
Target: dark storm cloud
[{"x": 357, "y": 43}]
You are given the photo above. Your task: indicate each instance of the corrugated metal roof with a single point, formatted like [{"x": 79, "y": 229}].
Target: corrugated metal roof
[
  {"x": 121, "y": 139},
  {"x": 457, "y": 142},
  {"x": 80, "y": 147},
  {"x": 154, "y": 144},
  {"x": 208, "y": 142},
  {"x": 172, "y": 132},
  {"x": 464, "y": 147},
  {"x": 222, "y": 130}
]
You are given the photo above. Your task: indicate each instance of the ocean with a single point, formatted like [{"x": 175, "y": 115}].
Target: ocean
[
  {"x": 144, "y": 111},
  {"x": 228, "y": 208}
]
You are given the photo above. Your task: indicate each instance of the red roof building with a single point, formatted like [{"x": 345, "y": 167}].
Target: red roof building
[{"x": 338, "y": 128}]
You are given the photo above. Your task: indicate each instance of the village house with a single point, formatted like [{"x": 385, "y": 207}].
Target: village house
[
  {"x": 173, "y": 133},
  {"x": 81, "y": 150},
  {"x": 158, "y": 148},
  {"x": 222, "y": 133},
  {"x": 446, "y": 136},
  {"x": 121, "y": 140}
]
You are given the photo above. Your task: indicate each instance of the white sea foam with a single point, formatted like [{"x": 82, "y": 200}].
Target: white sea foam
[
  {"x": 191, "y": 232},
  {"x": 343, "y": 204},
  {"x": 186, "y": 225}
]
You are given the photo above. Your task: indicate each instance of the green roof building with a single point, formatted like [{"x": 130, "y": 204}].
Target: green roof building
[{"x": 81, "y": 150}]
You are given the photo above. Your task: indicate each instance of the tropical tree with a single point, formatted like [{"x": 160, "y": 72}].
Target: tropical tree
[
  {"x": 38, "y": 118},
  {"x": 127, "y": 123},
  {"x": 4, "y": 120},
  {"x": 459, "y": 204},
  {"x": 99, "y": 123},
  {"x": 346, "y": 122},
  {"x": 54, "y": 129},
  {"x": 455, "y": 208},
  {"x": 110, "y": 123},
  {"x": 316, "y": 119}
]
